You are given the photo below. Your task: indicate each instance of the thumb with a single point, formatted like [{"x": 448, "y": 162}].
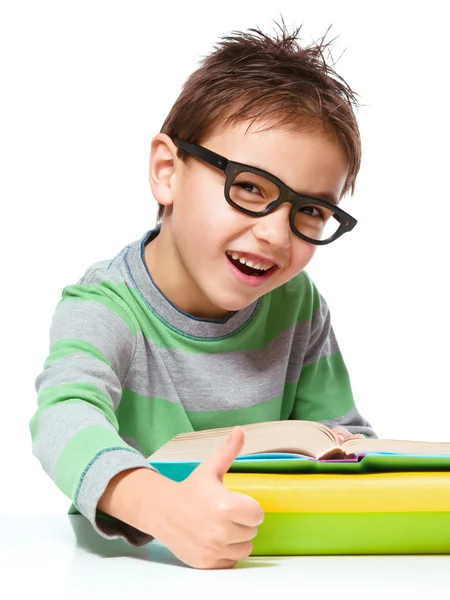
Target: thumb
[{"x": 218, "y": 463}]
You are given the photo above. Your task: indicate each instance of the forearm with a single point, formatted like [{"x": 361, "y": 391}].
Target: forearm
[{"x": 138, "y": 497}]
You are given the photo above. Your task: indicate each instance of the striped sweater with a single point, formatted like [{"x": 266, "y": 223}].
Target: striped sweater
[{"x": 127, "y": 371}]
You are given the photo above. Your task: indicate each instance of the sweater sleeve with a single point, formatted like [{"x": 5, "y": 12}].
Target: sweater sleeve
[
  {"x": 75, "y": 432},
  {"x": 324, "y": 390}
]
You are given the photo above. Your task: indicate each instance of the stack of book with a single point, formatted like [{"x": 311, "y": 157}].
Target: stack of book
[{"x": 320, "y": 496}]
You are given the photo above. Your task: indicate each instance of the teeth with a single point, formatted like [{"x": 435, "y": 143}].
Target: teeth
[{"x": 248, "y": 262}]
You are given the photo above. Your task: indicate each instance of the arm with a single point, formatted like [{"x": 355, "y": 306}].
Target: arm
[
  {"x": 198, "y": 519},
  {"x": 76, "y": 438},
  {"x": 75, "y": 429},
  {"x": 324, "y": 391}
]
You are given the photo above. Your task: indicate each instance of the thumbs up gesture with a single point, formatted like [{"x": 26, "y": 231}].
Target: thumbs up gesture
[{"x": 205, "y": 525}]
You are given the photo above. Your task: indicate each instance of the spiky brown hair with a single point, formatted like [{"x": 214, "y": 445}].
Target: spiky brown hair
[{"x": 254, "y": 76}]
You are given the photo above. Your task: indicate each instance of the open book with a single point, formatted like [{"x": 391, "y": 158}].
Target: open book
[{"x": 306, "y": 438}]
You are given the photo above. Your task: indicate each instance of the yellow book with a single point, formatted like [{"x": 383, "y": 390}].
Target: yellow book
[{"x": 379, "y": 513}]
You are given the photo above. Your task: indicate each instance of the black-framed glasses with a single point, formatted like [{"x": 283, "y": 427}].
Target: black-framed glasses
[{"x": 258, "y": 193}]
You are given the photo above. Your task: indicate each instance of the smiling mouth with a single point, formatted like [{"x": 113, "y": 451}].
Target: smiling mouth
[{"x": 249, "y": 270}]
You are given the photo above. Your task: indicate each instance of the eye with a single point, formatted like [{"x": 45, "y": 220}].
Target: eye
[
  {"x": 248, "y": 187},
  {"x": 312, "y": 211}
]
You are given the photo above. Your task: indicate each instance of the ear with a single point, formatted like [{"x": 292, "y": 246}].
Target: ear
[{"x": 163, "y": 164}]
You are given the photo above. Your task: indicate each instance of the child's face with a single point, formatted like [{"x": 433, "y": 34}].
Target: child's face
[{"x": 203, "y": 229}]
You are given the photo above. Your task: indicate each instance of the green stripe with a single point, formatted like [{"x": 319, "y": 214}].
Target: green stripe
[
  {"x": 68, "y": 346},
  {"x": 261, "y": 329},
  {"x": 264, "y": 328},
  {"x": 316, "y": 401},
  {"x": 82, "y": 449},
  {"x": 299, "y": 292},
  {"x": 151, "y": 421},
  {"x": 154, "y": 421},
  {"x": 114, "y": 296},
  {"x": 353, "y": 533},
  {"x": 71, "y": 393}
]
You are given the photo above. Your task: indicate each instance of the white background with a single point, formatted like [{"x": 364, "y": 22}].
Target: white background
[{"x": 85, "y": 86}]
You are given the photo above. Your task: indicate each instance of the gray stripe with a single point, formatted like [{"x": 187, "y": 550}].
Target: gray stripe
[
  {"x": 111, "y": 270},
  {"x": 106, "y": 466},
  {"x": 202, "y": 382},
  {"x": 94, "y": 323},
  {"x": 325, "y": 347},
  {"x": 81, "y": 368},
  {"x": 131, "y": 442},
  {"x": 58, "y": 425},
  {"x": 299, "y": 335},
  {"x": 352, "y": 421},
  {"x": 323, "y": 341}
]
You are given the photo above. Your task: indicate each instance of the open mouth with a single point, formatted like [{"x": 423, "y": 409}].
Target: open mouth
[{"x": 250, "y": 270}]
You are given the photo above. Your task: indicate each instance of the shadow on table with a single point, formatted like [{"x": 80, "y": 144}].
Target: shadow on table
[{"x": 88, "y": 540}]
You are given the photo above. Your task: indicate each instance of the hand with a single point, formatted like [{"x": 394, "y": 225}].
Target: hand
[
  {"x": 344, "y": 434},
  {"x": 203, "y": 523}
]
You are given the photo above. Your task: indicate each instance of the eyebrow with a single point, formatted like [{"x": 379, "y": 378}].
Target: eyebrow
[
  {"x": 325, "y": 196},
  {"x": 328, "y": 196}
]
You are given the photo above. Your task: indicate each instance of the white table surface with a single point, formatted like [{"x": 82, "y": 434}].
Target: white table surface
[{"x": 61, "y": 556}]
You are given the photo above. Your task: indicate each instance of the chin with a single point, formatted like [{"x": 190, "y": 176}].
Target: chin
[{"x": 232, "y": 304}]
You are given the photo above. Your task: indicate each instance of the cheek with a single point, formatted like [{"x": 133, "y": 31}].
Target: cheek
[
  {"x": 302, "y": 253},
  {"x": 189, "y": 205},
  {"x": 200, "y": 213}
]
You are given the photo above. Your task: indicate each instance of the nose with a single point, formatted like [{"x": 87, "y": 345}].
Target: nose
[{"x": 274, "y": 228}]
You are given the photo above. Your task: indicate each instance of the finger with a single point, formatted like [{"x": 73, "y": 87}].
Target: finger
[
  {"x": 238, "y": 551},
  {"x": 241, "y": 533},
  {"x": 340, "y": 429},
  {"x": 341, "y": 433},
  {"x": 246, "y": 510},
  {"x": 218, "y": 463},
  {"x": 222, "y": 563}
]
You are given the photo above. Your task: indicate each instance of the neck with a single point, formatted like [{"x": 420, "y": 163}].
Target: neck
[{"x": 170, "y": 275}]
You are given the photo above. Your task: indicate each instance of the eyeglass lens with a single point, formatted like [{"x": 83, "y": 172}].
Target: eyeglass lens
[{"x": 254, "y": 192}]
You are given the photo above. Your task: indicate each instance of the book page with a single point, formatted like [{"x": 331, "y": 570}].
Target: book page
[
  {"x": 307, "y": 438},
  {"x": 362, "y": 446}
]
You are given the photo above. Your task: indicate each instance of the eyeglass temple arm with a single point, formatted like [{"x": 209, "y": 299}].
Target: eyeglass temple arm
[{"x": 207, "y": 156}]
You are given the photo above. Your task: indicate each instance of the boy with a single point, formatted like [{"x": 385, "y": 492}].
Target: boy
[{"x": 209, "y": 320}]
